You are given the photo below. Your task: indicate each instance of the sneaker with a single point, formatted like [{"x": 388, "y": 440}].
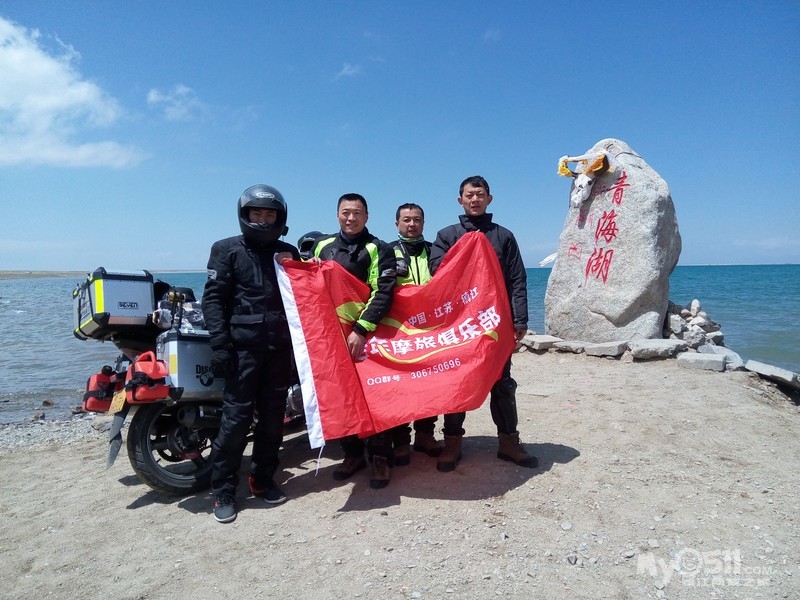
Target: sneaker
[
  {"x": 348, "y": 467},
  {"x": 225, "y": 508},
  {"x": 270, "y": 493},
  {"x": 381, "y": 473}
]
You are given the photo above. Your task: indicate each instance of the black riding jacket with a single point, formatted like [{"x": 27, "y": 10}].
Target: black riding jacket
[
  {"x": 507, "y": 251},
  {"x": 373, "y": 262},
  {"x": 242, "y": 304}
]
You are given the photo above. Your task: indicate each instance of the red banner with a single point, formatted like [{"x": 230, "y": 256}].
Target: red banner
[{"x": 439, "y": 350}]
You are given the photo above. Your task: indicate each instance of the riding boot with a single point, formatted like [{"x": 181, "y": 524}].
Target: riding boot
[
  {"x": 511, "y": 449},
  {"x": 425, "y": 442},
  {"x": 381, "y": 472},
  {"x": 402, "y": 455},
  {"x": 451, "y": 453}
]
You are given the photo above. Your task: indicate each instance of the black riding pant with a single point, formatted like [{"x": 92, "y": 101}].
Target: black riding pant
[
  {"x": 379, "y": 444},
  {"x": 502, "y": 403},
  {"x": 261, "y": 385},
  {"x": 401, "y": 435}
]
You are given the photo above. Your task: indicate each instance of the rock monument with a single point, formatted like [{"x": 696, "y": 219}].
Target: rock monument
[{"x": 619, "y": 244}]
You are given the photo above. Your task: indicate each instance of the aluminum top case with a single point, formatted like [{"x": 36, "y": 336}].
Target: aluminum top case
[
  {"x": 188, "y": 357},
  {"x": 110, "y": 302}
]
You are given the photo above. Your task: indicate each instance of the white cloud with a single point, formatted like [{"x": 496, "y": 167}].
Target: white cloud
[
  {"x": 349, "y": 70},
  {"x": 245, "y": 116},
  {"x": 46, "y": 105},
  {"x": 179, "y": 104}
]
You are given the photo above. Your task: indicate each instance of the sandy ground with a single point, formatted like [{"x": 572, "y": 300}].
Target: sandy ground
[{"x": 656, "y": 482}]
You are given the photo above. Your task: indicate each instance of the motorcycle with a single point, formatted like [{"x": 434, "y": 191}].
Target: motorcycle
[{"x": 162, "y": 378}]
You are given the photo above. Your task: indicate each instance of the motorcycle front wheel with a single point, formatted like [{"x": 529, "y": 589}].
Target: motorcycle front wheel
[{"x": 168, "y": 456}]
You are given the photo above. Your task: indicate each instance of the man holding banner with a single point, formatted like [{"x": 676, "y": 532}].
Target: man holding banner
[
  {"x": 474, "y": 198},
  {"x": 439, "y": 349},
  {"x": 412, "y": 252},
  {"x": 372, "y": 261}
]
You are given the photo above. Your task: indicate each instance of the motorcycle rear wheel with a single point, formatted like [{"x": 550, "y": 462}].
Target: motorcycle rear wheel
[{"x": 168, "y": 456}]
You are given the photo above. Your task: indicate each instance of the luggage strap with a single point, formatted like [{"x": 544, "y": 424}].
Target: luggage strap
[{"x": 140, "y": 379}]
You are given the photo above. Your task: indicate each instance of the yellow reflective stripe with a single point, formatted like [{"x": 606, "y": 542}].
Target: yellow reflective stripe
[
  {"x": 372, "y": 277},
  {"x": 321, "y": 244},
  {"x": 423, "y": 273},
  {"x": 406, "y": 279},
  {"x": 367, "y": 325},
  {"x": 99, "y": 301},
  {"x": 374, "y": 270},
  {"x": 372, "y": 282},
  {"x": 349, "y": 311},
  {"x": 418, "y": 272}
]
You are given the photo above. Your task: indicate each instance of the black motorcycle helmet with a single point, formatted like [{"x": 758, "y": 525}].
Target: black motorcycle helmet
[
  {"x": 262, "y": 196},
  {"x": 306, "y": 243}
]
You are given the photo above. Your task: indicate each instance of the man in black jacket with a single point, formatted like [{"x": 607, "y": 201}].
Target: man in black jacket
[
  {"x": 244, "y": 314},
  {"x": 372, "y": 261},
  {"x": 474, "y": 198}
]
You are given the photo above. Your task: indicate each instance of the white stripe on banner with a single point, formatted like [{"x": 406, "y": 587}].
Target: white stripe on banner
[{"x": 302, "y": 360}]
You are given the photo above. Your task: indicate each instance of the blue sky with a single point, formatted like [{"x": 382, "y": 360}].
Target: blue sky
[{"x": 129, "y": 129}]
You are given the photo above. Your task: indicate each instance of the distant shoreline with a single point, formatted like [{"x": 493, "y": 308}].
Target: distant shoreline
[{"x": 41, "y": 274}]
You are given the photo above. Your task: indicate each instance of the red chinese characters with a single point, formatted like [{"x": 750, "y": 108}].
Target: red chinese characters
[
  {"x": 619, "y": 188},
  {"x": 606, "y": 227},
  {"x": 599, "y": 263},
  {"x": 606, "y": 233}
]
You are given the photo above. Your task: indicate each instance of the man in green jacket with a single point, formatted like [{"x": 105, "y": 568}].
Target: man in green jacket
[
  {"x": 411, "y": 252},
  {"x": 372, "y": 261}
]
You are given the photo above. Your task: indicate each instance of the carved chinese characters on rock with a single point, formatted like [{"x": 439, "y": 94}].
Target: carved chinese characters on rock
[
  {"x": 619, "y": 188},
  {"x": 606, "y": 227},
  {"x": 599, "y": 263},
  {"x": 575, "y": 250},
  {"x": 606, "y": 232}
]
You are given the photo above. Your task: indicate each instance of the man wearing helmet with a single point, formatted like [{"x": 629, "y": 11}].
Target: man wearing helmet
[
  {"x": 306, "y": 243},
  {"x": 244, "y": 314}
]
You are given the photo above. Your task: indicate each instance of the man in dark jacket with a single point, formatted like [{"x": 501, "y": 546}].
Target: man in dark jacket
[
  {"x": 474, "y": 198},
  {"x": 372, "y": 261},
  {"x": 412, "y": 252},
  {"x": 244, "y": 314}
]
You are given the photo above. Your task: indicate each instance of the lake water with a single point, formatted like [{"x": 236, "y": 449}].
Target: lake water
[{"x": 758, "y": 308}]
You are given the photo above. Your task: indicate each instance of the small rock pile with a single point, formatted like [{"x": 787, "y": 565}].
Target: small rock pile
[
  {"x": 689, "y": 335},
  {"x": 692, "y": 324}
]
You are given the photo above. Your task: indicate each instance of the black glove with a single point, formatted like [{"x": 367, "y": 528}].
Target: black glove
[{"x": 223, "y": 362}]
